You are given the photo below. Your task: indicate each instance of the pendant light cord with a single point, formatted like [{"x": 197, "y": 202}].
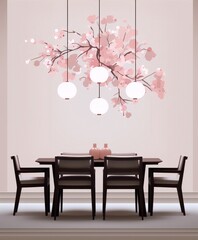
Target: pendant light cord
[
  {"x": 135, "y": 40},
  {"x": 67, "y": 39},
  {"x": 99, "y": 30},
  {"x": 99, "y": 64}
]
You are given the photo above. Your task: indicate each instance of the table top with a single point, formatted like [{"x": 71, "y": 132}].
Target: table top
[{"x": 100, "y": 162}]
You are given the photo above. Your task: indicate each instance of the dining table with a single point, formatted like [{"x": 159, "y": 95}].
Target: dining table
[{"x": 100, "y": 163}]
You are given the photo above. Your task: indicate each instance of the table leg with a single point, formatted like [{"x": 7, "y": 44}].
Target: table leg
[{"x": 144, "y": 204}]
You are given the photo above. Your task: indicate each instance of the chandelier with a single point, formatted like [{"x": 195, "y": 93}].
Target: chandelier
[{"x": 107, "y": 54}]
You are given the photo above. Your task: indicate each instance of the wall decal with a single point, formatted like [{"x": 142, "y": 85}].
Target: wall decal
[{"x": 117, "y": 55}]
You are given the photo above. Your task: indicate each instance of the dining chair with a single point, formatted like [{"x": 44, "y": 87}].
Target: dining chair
[
  {"x": 69, "y": 154},
  {"x": 129, "y": 154},
  {"x": 24, "y": 181},
  {"x": 123, "y": 172},
  {"x": 175, "y": 181},
  {"x": 74, "y": 154},
  {"x": 124, "y": 154},
  {"x": 74, "y": 172}
]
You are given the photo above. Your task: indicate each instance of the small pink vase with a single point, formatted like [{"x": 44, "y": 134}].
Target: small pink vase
[
  {"x": 105, "y": 151},
  {"x": 94, "y": 151}
]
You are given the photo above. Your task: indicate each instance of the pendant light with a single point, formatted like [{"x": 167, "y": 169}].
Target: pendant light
[
  {"x": 67, "y": 90},
  {"x": 135, "y": 90},
  {"x": 99, "y": 106},
  {"x": 99, "y": 74}
]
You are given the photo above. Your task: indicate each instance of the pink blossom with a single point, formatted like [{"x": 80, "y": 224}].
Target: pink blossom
[
  {"x": 115, "y": 101},
  {"x": 159, "y": 73},
  {"x": 149, "y": 54},
  {"x": 132, "y": 43},
  {"x": 92, "y": 19},
  {"x": 71, "y": 76},
  {"x": 36, "y": 63},
  {"x": 128, "y": 114},
  {"x": 62, "y": 62},
  {"x": 108, "y": 19},
  {"x": 87, "y": 82},
  {"x": 158, "y": 87}
]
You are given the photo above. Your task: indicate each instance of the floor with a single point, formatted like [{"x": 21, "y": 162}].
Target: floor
[{"x": 76, "y": 223}]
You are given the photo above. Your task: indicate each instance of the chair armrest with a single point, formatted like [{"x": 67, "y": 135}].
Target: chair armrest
[
  {"x": 163, "y": 170},
  {"x": 34, "y": 170}
]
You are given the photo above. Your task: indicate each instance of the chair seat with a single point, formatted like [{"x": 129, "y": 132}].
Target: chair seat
[
  {"x": 124, "y": 181},
  {"x": 165, "y": 181},
  {"x": 33, "y": 180},
  {"x": 72, "y": 181}
]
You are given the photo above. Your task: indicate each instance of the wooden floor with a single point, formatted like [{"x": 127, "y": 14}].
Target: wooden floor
[{"x": 121, "y": 223}]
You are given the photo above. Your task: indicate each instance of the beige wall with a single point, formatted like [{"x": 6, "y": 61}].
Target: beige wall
[
  {"x": 3, "y": 95},
  {"x": 195, "y": 93},
  {"x": 41, "y": 124}
]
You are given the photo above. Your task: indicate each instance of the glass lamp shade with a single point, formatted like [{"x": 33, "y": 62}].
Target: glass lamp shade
[
  {"x": 99, "y": 106},
  {"x": 135, "y": 90},
  {"x": 99, "y": 74},
  {"x": 67, "y": 90}
]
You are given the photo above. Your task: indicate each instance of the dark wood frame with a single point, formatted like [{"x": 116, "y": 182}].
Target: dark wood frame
[
  {"x": 18, "y": 170},
  {"x": 77, "y": 173},
  {"x": 100, "y": 163},
  {"x": 178, "y": 185},
  {"x": 124, "y": 175}
]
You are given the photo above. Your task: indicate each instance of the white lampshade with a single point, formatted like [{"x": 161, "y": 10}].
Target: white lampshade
[
  {"x": 135, "y": 90},
  {"x": 99, "y": 106},
  {"x": 67, "y": 90},
  {"x": 99, "y": 74}
]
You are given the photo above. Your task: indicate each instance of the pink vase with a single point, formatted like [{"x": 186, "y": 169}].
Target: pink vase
[
  {"x": 94, "y": 151},
  {"x": 105, "y": 151}
]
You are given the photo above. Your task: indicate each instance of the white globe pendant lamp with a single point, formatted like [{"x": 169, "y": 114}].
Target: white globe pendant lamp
[
  {"x": 135, "y": 90},
  {"x": 67, "y": 90},
  {"x": 99, "y": 106},
  {"x": 99, "y": 74}
]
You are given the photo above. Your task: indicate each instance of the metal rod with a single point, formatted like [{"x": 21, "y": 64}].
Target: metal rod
[
  {"x": 99, "y": 64},
  {"x": 135, "y": 40},
  {"x": 99, "y": 30},
  {"x": 67, "y": 39},
  {"x": 99, "y": 90}
]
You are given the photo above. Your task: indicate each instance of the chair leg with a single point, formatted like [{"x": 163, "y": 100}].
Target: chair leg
[
  {"x": 104, "y": 202},
  {"x": 18, "y": 194},
  {"x": 61, "y": 200},
  {"x": 56, "y": 203},
  {"x": 93, "y": 201},
  {"x": 48, "y": 197},
  {"x": 151, "y": 199},
  {"x": 181, "y": 200},
  {"x": 46, "y": 200},
  {"x": 136, "y": 200},
  {"x": 141, "y": 203}
]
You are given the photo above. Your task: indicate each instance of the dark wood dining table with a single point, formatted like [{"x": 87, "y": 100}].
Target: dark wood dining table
[{"x": 100, "y": 163}]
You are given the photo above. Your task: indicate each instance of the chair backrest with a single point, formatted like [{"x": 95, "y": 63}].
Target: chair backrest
[
  {"x": 181, "y": 166},
  {"x": 74, "y": 154},
  {"x": 81, "y": 164},
  {"x": 17, "y": 167},
  {"x": 124, "y": 154},
  {"x": 123, "y": 165}
]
